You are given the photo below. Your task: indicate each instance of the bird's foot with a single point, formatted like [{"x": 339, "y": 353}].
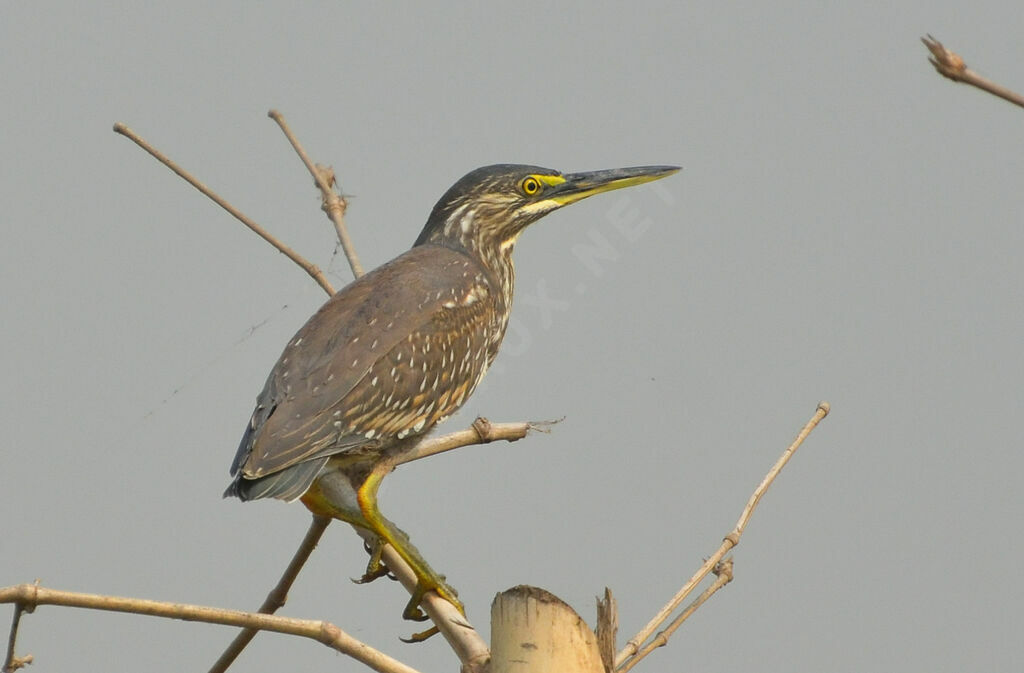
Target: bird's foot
[
  {"x": 413, "y": 611},
  {"x": 436, "y": 583},
  {"x": 375, "y": 568}
]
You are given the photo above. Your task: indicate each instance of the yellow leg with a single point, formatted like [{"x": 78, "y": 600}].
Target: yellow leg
[
  {"x": 427, "y": 578},
  {"x": 333, "y": 495}
]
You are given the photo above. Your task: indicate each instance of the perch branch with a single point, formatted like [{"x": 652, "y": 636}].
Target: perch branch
[
  {"x": 278, "y": 595},
  {"x": 307, "y": 266},
  {"x": 31, "y": 595},
  {"x": 464, "y": 640},
  {"x": 731, "y": 540},
  {"x": 334, "y": 204},
  {"x": 481, "y": 432},
  {"x": 951, "y": 65}
]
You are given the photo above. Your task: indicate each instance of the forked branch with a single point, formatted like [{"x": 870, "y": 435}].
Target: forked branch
[
  {"x": 466, "y": 643},
  {"x": 278, "y": 595},
  {"x": 632, "y": 652},
  {"x": 307, "y": 266}
]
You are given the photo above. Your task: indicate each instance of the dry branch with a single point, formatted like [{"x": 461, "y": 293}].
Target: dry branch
[
  {"x": 310, "y": 268},
  {"x": 952, "y": 66},
  {"x": 31, "y": 595},
  {"x": 279, "y": 594},
  {"x": 481, "y": 432},
  {"x": 633, "y": 646},
  {"x": 334, "y": 204},
  {"x": 467, "y": 644}
]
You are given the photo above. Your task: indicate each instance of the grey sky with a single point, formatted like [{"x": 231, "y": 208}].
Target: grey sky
[{"x": 847, "y": 227}]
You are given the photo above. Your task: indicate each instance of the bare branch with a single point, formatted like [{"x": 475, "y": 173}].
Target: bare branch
[
  {"x": 952, "y": 66},
  {"x": 12, "y": 662},
  {"x": 481, "y": 432},
  {"x": 278, "y": 595},
  {"x": 723, "y": 574},
  {"x": 307, "y": 266},
  {"x": 731, "y": 540},
  {"x": 31, "y": 595},
  {"x": 467, "y": 644},
  {"x": 334, "y": 204}
]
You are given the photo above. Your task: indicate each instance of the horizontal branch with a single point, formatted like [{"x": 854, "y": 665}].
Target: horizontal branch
[
  {"x": 31, "y": 595},
  {"x": 481, "y": 432}
]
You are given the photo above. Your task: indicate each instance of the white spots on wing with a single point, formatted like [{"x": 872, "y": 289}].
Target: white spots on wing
[
  {"x": 393, "y": 371},
  {"x": 419, "y": 424},
  {"x": 296, "y": 342},
  {"x": 336, "y": 424},
  {"x": 355, "y": 340},
  {"x": 391, "y": 323},
  {"x": 373, "y": 381},
  {"x": 355, "y": 363},
  {"x": 337, "y": 413},
  {"x": 373, "y": 345},
  {"x": 369, "y": 434},
  {"x": 330, "y": 377}
]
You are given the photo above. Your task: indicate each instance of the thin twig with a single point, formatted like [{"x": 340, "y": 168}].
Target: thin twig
[
  {"x": 31, "y": 595},
  {"x": 12, "y": 662},
  {"x": 481, "y": 432},
  {"x": 334, "y": 204},
  {"x": 723, "y": 573},
  {"x": 307, "y": 266},
  {"x": 952, "y": 66},
  {"x": 730, "y": 541},
  {"x": 279, "y": 594}
]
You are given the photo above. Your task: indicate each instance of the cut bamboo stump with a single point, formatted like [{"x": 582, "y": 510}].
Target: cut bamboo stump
[{"x": 533, "y": 630}]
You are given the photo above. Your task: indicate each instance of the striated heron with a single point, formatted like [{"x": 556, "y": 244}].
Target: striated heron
[{"x": 399, "y": 350}]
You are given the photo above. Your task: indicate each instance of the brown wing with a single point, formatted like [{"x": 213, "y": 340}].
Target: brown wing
[{"x": 390, "y": 355}]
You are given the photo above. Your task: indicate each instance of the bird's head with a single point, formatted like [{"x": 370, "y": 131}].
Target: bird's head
[{"x": 488, "y": 208}]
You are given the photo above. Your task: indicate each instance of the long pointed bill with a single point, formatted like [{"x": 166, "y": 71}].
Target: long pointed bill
[{"x": 579, "y": 186}]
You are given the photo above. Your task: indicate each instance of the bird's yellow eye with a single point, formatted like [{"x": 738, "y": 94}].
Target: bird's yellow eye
[{"x": 530, "y": 186}]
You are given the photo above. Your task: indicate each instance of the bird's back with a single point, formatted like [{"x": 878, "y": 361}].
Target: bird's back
[{"x": 387, "y": 357}]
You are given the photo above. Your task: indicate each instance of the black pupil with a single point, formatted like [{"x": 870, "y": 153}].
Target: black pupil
[{"x": 531, "y": 186}]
